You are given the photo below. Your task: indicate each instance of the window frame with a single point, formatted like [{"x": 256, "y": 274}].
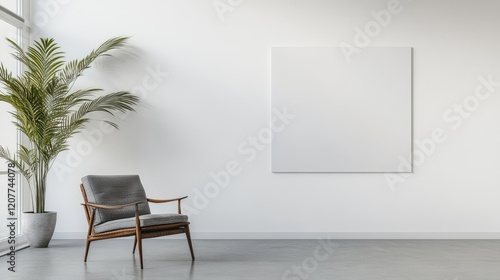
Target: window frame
[{"x": 22, "y": 23}]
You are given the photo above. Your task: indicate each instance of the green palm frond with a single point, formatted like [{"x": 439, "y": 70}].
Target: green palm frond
[
  {"x": 75, "y": 68},
  {"x": 47, "y": 111}
]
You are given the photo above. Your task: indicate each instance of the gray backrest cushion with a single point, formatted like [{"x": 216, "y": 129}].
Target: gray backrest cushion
[{"x": 115, "y": 190}]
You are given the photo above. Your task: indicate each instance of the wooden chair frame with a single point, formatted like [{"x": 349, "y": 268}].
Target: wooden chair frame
[{"x": 139, "y": 232}]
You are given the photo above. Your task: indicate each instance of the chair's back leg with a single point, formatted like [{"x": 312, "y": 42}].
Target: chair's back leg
[{"x": 135, "y": 244}]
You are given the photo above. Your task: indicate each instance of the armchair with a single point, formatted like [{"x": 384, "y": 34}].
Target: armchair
[{"x": 117, "y": 206}]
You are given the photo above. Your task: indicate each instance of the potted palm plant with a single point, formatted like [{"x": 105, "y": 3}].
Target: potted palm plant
[{"x": 48, "y": 112}]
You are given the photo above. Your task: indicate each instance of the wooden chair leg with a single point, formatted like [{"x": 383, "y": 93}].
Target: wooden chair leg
[
  {"x": 139, "y": 242},
  {"x": 188, "y": 236},
  {"x": 135, "y": 244},
  {"x": 89, "y": 231},
  {"x": 87, "y": 250},
  {"x": 138, "y": 233}
]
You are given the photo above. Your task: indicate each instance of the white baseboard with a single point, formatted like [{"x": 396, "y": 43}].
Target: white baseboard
[
  {"x": 21, "y": 243},
  {"x": 314, "y": 235}
]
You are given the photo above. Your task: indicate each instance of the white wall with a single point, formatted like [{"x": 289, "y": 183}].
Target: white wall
[{"x": 217, "y": 94}]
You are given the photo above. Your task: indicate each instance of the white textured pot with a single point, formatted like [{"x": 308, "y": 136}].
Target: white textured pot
[{"x": 39, "y": 227}]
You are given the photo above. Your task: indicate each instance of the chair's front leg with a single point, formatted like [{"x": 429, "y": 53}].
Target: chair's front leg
[
  {"x": 188, "y": 236},
  {"x": 138, "y": 234},
  {"x": 89, "y": 232}
]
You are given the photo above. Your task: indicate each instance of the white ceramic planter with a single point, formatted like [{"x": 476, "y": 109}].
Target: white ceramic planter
[{"x": 39, "y": 228}]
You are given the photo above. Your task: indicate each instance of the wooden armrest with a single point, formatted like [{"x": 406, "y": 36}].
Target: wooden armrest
[
  {"x": 102, "y": 206},
  {"x": 169, "y": 200},
  {"x": 165, "y": 200},
  {"x": 110, "y": 207}
]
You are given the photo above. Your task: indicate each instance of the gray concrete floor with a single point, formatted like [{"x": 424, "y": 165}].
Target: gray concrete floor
[{"x": 262, "y": 259}]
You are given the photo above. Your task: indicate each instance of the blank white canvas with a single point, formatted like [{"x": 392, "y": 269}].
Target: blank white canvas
[{"x": 350, "y": 116}]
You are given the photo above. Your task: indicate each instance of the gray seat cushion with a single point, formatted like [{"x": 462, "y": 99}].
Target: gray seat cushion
[
  {"x": 145, "y": 220},
  {"x": 115, "y": 190}
]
